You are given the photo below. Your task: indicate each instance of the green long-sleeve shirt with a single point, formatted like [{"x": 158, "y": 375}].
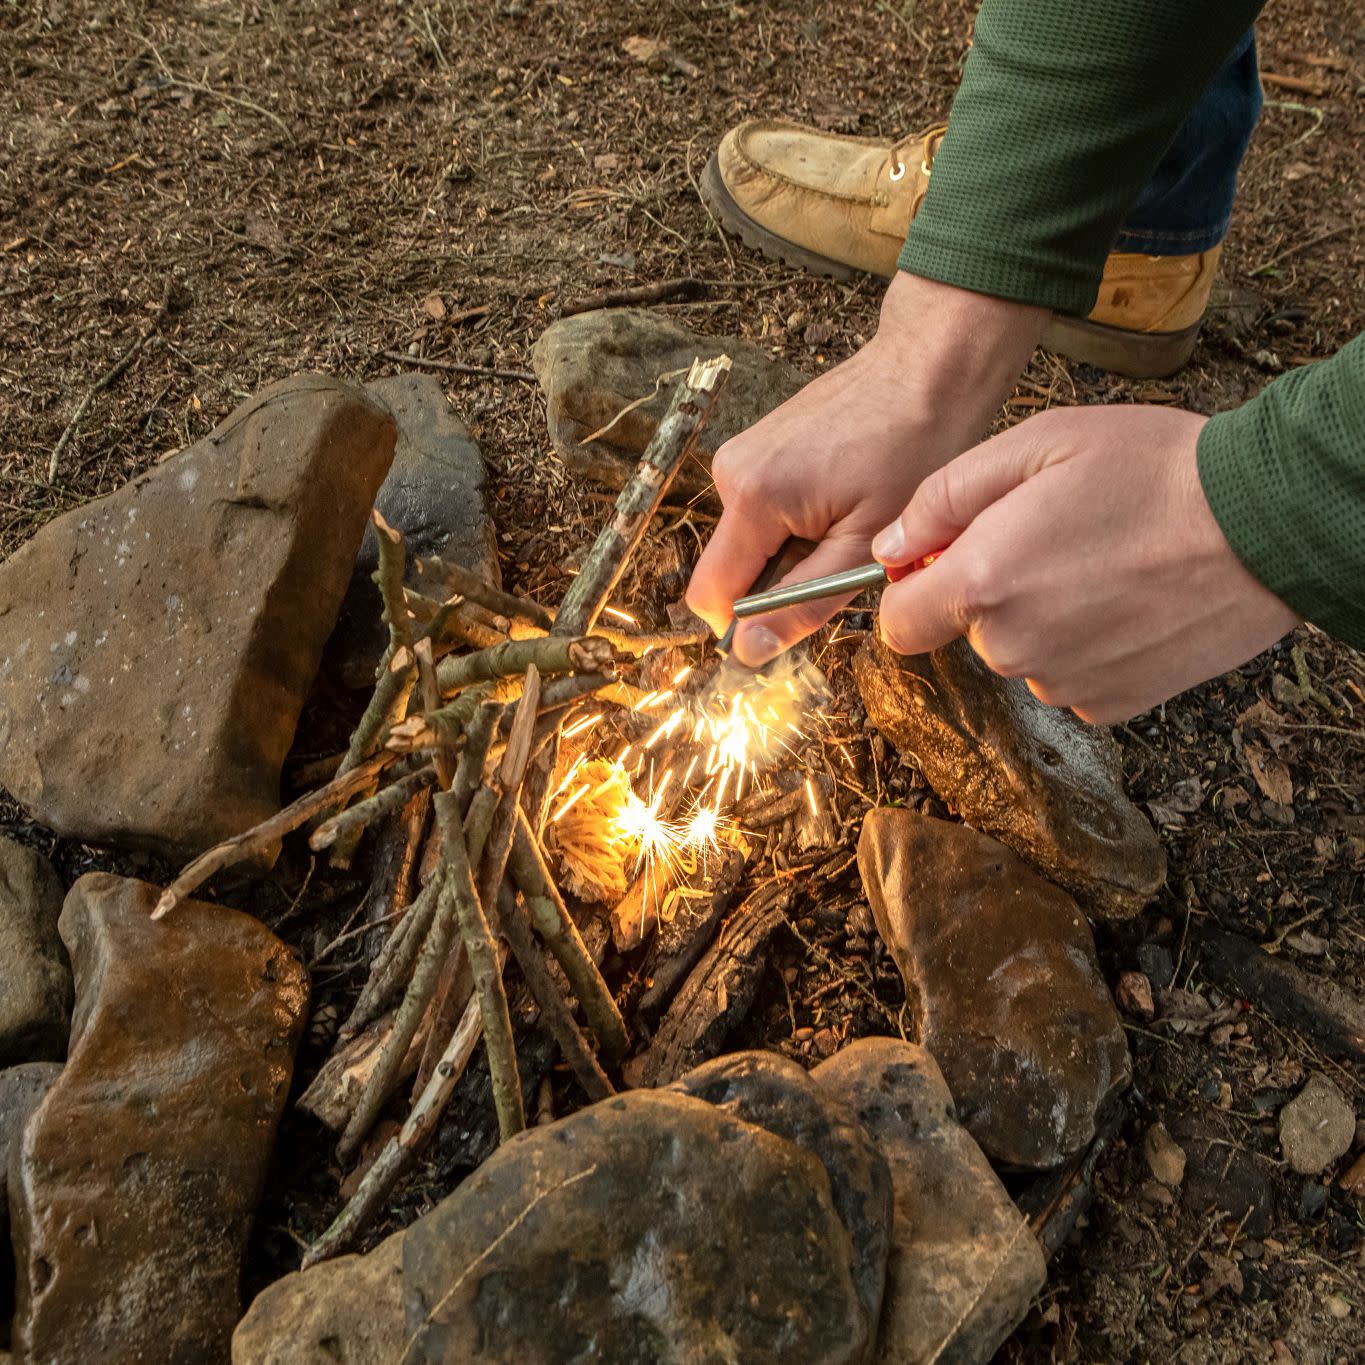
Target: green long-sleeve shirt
[{"x": 1063, "y": 113}]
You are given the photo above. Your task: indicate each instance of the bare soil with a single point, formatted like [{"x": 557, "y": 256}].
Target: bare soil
[{"x": 269, "y": 188}]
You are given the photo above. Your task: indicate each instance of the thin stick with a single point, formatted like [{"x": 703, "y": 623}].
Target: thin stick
[
  {"x": 262, "y": 837},
  {"x": 434, "y": 727},
  {"x": 393, "y": 967},
  {"x": 555, "y": 925},
  {"x": 435, "y": 945},
  {"x": 403, "y": 1149},
  {"x": 459, "y": 367},
  {"x": 634, "y": 296},
  {"x": 469, "y": 773},
  {"x": 102, "y": 383},
  {"x": 389, "y": 575},
  {"x": 393, "y": 797},
  {"x": 456, "y": 579},
  {"x": 486, "y": 967},
  {"x": 431, "y": 701},
  {"x": 516, "y": 928},
  {"x": 550, "y": 654},
  {"x": 693, "y": 401}
]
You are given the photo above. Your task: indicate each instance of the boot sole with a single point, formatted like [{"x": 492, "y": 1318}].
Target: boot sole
[{"x": 1137, "y": 355}]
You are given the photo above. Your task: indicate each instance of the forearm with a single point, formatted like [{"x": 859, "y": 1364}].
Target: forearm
[
  {"x": 1063, "y": 113},
  {"x": 1285, "y": 477}
]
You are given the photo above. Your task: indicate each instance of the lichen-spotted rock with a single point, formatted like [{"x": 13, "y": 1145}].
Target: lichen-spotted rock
[
  {"x": 136, "y": 1179},
  {"x": 1035, "y": 777},
  {"x": 594, "y": 365},
  {"x": 652, "y": 1227},
  {"x": 157, "y": 645}
]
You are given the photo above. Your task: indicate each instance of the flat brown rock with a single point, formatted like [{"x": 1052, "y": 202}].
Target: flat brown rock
[
  {"x": 964, "y": 1265},
  {"x": 134, "y": 1186},
  {"x": 157, "y": 645},
  {"x": 1035, "y": 777},
  {"x": 1004, "y": 986}
]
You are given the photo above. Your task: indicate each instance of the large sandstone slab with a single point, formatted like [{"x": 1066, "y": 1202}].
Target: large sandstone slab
[
  {"x": 136, "y": 1180},
  {"x": 35, "y": 977},
  {"x": 157, "y": 645},
  {"x": 650, "y": 1227},
  {"x": 964, "y": 1264},
  {"x": 1035, "y": 777},
  {"x": 343, "y": 1312},
  {"x": 1003, "y": 983},
  {"x": 593, "y": 365},
  {"x": 435, "y": 495}
]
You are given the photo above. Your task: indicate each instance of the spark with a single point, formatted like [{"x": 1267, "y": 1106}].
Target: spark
[
  {"x": 810, "y": 796},
  {"x": 620, "y": 615},
  {"x": 573, "y": 800},
  {"x": 579, "y": 726}
]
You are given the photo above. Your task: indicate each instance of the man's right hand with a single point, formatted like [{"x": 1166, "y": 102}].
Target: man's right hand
[{"x": 842, "y": 458}]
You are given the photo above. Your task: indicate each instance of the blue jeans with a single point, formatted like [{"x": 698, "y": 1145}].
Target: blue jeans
[{"x": 1188, "y": 201}]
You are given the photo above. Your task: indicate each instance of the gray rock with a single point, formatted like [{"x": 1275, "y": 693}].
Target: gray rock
[
  {"x": 649, "y": 1227},
  {"x": 964, "y": 1265},
  {"x": 776, "y": 1093},
  {"x": 1035, "y": 777},
  {"x": 135, "y": 1183},
  {"x": 1004, "y": 986},
  {"x": 21, "y": 1091},
  {"x": 35, "y": 982},
  {"x": 434, "y": 495},
  {"x": 1317, "y": 1126},
  {"x": 343, "y": 1312},
  {"x": 157, "y": 645},
  {"x": 592, "y": 365}
]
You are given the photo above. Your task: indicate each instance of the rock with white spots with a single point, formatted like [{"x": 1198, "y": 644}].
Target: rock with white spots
[
  {"x": 1317, "y": 1126},
  {"x": 157, "y": 645}
]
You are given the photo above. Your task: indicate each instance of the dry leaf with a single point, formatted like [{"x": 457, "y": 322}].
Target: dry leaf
[
  {"x": 1271, "y": 774},
  {"x": 434, "y": 306},
  {"x": 652, "y": 52}
]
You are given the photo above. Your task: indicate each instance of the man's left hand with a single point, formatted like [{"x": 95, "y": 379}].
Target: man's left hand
[{"x": 1083, "y": 556}]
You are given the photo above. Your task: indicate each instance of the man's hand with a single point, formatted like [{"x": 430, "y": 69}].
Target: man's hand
[
  {"x": 835, "y": 462},
  {"x": 1083, "y": 557}
]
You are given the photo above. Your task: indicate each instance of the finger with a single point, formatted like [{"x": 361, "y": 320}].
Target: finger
[
  {"x": 948, "y": 501},
  {"x": 930, "y": 608},
  {"x": 760, "y": 638},
  {"x": 738, "y": 551}
]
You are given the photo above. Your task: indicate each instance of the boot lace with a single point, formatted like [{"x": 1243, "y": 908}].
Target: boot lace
[{"x": 928, "y": 148}]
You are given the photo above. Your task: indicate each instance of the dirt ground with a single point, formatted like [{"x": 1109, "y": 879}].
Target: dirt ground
[{"x": 267, "y": 188}]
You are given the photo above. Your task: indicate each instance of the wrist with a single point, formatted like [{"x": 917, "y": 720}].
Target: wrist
[{"x": 959, "y": 352}]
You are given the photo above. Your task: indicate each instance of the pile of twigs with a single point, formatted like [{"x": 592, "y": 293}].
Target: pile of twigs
[{"x": 461, "y": 776}]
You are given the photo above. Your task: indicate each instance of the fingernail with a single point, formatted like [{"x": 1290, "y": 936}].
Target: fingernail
[
  {"x": 889, "y": 544},
  {"x": 756, "y": 646}
]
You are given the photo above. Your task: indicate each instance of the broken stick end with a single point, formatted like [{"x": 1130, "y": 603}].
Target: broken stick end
[{"x": 706, "y": 375}]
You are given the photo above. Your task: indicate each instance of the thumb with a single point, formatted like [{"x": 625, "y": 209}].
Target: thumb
[
  {"x": 760, "y": 638},
  {"x": 949, "y": 500}
]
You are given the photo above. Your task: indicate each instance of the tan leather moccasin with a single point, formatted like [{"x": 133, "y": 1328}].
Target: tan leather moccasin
[{"x": 838, "y": 205}]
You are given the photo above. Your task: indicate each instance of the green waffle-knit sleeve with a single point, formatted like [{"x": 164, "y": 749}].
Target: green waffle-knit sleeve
[
  {"x": 1063, "y": 113},
  {"x": 1285, "y": 476}
]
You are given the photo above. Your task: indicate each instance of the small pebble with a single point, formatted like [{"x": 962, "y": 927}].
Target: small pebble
[
  {"x": 1165, "y": 1156},
  {"x": 1317, "y": 1126},
  {"x": 1134, "y": 995}
]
